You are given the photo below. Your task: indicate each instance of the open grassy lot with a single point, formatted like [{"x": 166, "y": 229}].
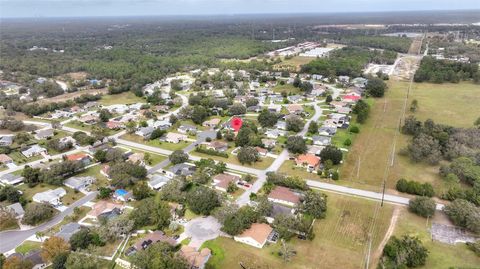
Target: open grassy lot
[
  {"x": 156, "y": 143},
  {"x": 341, "y": 240},
  {"x": 121, "y": 98},
  {"x": 19, "y": 158},
  {"x": 289, "y": 88},
  {"x": 371, "y": 152},
  {"x": 155, "y": 158},
  {"x": 440, "y": 255},
  {"x": 296, "y": 61},
  {"x": 448, "y": 103}
]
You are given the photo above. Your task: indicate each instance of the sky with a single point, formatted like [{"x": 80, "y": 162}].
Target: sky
[{"x": 85, "y": 8}]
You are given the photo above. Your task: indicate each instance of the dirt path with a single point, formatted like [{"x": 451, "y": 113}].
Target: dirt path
[{"x": 391, "y": 228}]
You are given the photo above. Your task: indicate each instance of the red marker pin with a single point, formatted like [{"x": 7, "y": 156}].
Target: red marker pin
[{"x": 237, "y": 124}]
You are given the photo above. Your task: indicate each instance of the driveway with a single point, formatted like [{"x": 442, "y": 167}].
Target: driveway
[{"x": 201, "y": 230}]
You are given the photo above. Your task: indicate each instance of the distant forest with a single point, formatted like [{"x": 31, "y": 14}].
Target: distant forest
[{"x": 439, "y": 71}]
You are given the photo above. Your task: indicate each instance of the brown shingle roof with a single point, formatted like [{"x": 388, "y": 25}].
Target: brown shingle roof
[
  {"x": 284, "y": 194},
  {"x": 258, "y": 232},
  {"x": 195, "y": 258}
]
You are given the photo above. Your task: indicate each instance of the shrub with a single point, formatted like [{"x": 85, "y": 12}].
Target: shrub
[
  {"x": 211, "y": 152},
  {"x": 422, "y": 206},
  {"x": 416, "y": 188}
]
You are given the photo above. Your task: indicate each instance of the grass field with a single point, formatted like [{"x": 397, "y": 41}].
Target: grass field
[
  {"x": 297, "y": 61},
  {"x": 371, "y": 152},
  {"x": 28, "y": 246},
  {"x": 448, "y": 103},
  {"x": 263, "y": 163},
  {"x": 122, "y": 98},
  {"x": 341, "y": 240},
  {"x": 289, "y": 88},
  {"x": 440, "y": 255}
]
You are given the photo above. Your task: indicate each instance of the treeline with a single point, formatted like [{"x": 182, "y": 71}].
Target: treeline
[
  {"x": 439, "y": 71},
  {"x": 398, "y": 44},
  {"x": 348, "y": 61}
]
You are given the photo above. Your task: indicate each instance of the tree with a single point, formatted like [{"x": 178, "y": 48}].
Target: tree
[
  {"x": 141, "y": 191},
  {"x": 244, "y": 136},
  {"x": 328, "y": 99},
  {"x": 105, "y": 115},
  {"x": 232, "y": 187},
  {"x": 10, "y": 194},
  {"x": 247, "y": 155},
  {"x": 131, "y": 127},
  {"x": 113, "y": 229},
  {"x": 422, "y": 206},
  {"x": 414, "y": 105},
  {"x": 52, "y": 247},
  {"x": 173, "y": 190},
  {"x": 7, "y": 218},
  {"x": 251, "y": 102},
  {"x": 202, "y": 200},
  {"x": 331, "y": 153},
  {"x": 405, "y": 252},
  {"x": 425, "y": 148},
  {"x": 237, "y": 109},
  {"x": 237, "y": 221},
  {"x": 362, "y": 109},
  {"x": 151, "y": 212},
  {"x": 464, "y": 214},
  {"x": 313, "y": 127},
  {"x": 83, "y": 260},
  {"x": 286, "y": 251},
  {"x": 285, "y": 225},
  {"x": 267, "y": 118},
  {"x": 150, "y": 258},
  {"x": 294, "y": 123},
  {"x": 178, "y": 156},
  {"x": 16, "y": 262},
  {"x": 104, "y": 193},
  {"x": 199, "y": 114},
  {"x": 37, "y": 213},
  {"x": 376, "y": 87},
  {"x": 296, "y": 144},
  {"x": 315, "y": 204},
  {"x": 84, "y": 238},
  {"x": 31, "y": 175},
  {"x": 60, "y": 260}
]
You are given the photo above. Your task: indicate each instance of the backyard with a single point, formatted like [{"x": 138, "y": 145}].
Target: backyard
[
  {"x": 156, "y": 142},
  {"x": 343, "y": 233}
]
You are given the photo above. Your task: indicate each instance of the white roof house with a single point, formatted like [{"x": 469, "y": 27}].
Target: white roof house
[
  {"x": 51, "y": 196},
  {"x": 33, "y": 151},
  {"x": 175, "y": 138},
  {"x": 79, "y": 183},
  {"x": 11, "y": 179},
  {"x": 157, "y": 181}
]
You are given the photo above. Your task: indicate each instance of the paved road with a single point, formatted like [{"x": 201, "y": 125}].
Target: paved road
[{"x": 11, "y": 239}]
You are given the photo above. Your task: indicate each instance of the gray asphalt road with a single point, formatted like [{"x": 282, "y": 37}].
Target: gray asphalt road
[{"x": 11, "y": 239}]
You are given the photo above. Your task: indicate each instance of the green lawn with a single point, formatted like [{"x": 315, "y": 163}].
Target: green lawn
[
  {"x": 28, "y": 246},
  {"x": 18, "y": 157},
  {"x": 94, "y": 171},
  {"x": 440, "y": 255},
  {"x": 448, "y": 103},
  {"x": 341, "y": 240},
  {"x": 156, "y": 143},
  {"x": 263, "y": 163},
  {"x": 122, "y": 98},
  {"x": 289, "y": 88},
  {"x": 155, "y": 158}
]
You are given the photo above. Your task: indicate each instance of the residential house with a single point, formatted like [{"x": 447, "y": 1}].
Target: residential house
[
  {"x": 122, "y": 195},
  {"x": 217, "y": 145},
  {"x": 321, "y": 140},
  {"x": 360, "y": 82},
  {"x": 181, "y": 169},
  {"x": 17, "y": 209},
  {"x": 44, "y": 134},
  {"x": 157, "y": 181},
  {"x": 161, "y": 108},
  {"x": 34, "y": 257},
  {"x": 145, "y": 132},
  {"x": 104, "y": 208},
  {"x": 79, "y": 183},
  {"x": 64, "y": 141},
  {"x": 221, "y": 181},
  {"x": 67, "y": 230},
  {"x": 294, "y": 98},
  {"x": 343, "y": 79},
  {"x": 327, "y": 130},
  {"x": 315, "y": 150},
  {"x": 284, "y": 196},
  {"x": 89, "y": 119},
  {"x": 196, "y": 259},
  {"x": 274, "y": 133},
  {"x": 6, "y": 140},
  {"x": 343, "y": 110},
  {"x": 186, "y": 129},
  {"x": 281, "y": 125},
  {"x": 295, "y": 109},
  {"x": 79, "y": 157},
  {"x": 34, "y": 151},
  {"x": 308, "y": 161},
  {"x": 5, "y": 159},
  {"x": 11, "y": 179},
  {"x": 159, "y": 124},
  {"x": 105, "y": 170},
  {"x": 335, "y": 104},
  {"x": 114, "y": 125},
  {"x": 276, "y": 99},
  {"x": 137, "y": 158},
  {"x": 255, "y": 109},
  {"x": 50, "y": 196},
  {"x": 261, "y": 151},
  {"x": 174, "y": 137},
  {"x": 212, "y": 123},
  {"x": 351, "y": 98},
  {"x": 257, "y": 235},
  {"x": 277, "y": 210},
  {"x": 269, "y": 143},
  {"x": 149, "y": 239}
]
